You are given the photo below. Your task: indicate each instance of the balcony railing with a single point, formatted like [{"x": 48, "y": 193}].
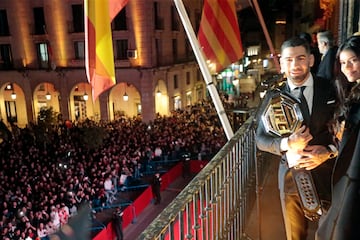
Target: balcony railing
[{"x": 217, "y": 203}]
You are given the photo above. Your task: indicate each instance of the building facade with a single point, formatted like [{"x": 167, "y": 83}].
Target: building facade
[
  {"x": 42, "y": 55},
  {"x": 43, "y": 61}
]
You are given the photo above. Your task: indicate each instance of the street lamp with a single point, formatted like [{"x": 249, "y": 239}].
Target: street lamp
[
  {"x": 125, "y": 97},
  {"x": 13, "y": 95},
  {"x": 158, "y": 92},
  {"x": 86, "y": 96},
  {"x": 48, "y": 96}
]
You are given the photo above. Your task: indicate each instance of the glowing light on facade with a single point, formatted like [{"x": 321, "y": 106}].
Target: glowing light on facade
[
  {"x": 138, "y": 20},
  {"x": 24, "y": 32},
  {"x": 59, "y": 33}
]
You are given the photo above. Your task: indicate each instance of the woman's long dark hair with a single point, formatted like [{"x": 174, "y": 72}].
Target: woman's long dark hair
[{"x": 348, "y": 92}]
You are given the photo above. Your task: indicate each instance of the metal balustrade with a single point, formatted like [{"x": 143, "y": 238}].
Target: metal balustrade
[{"x": 217, "y": 203}]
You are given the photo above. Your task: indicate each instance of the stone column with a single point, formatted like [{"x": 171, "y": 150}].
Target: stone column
[
  {"x": 64, "y": 103},
  {"x": 147, "y": 96},
  {"x": 29, "y": 102},
  {"x": 104, "y": 106},
  {"x": 24, "y": 83}
]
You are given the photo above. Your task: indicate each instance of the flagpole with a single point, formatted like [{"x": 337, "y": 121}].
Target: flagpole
[
  {"x": 204, "y": 68},
  {"x": 267, "y": 35}
]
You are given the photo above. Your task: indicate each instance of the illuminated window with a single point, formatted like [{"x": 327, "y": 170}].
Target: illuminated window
[
  {"x": 138, "y": 108},
  {"x": 253, "y": 50},
  {"x": 188, "y": 99},
  {"x": 79, "y": 49},
  {"x": 43, "y": 55},
  {"x": 177, "y": 102}
]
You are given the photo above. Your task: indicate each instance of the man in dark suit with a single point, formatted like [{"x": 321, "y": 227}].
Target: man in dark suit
[
  {"x": 156, "y": 188},
  {"x": 308, "y": 147},
  {"x": 328, "y": 49},
  {"x": 117, "y": 223}
]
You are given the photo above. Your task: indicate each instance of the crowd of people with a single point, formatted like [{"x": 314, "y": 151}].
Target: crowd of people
[
  {"x": 43, "y": 183},
  {"x": 45, "y": 178}
]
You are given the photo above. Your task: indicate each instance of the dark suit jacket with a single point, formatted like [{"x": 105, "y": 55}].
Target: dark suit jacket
[
  {"x": 347, "y": 145},
  {"x": 324, "y": 101},
  {"x": 326, "y": 65}
]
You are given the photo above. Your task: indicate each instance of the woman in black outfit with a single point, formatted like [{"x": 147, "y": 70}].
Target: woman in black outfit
[{"x": 342, "y": 220}]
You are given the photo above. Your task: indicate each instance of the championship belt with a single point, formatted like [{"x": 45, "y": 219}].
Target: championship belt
[{"x": 281, "y": 117}]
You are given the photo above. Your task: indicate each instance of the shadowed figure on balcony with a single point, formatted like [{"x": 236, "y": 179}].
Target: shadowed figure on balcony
[{"x": 156, "y": 188}]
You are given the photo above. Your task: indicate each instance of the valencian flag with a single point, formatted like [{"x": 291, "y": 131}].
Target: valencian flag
[
  {"x": 99, "y": 55},
  {"x": 219, "y": 34}
]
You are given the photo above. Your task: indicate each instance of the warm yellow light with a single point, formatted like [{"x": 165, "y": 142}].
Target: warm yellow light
[
  {"x": 282, "y": 22},
  {"x": 13, "y": 95},
  {"x": 137, "y": 20},
  {"x": 59, "y": 34},
  {"x": 262, "y": 94},
  {"x": 48, "y": 96},
  {"x": 125, "y": 97},
  {"x": 212, "y": 67},
  {"x": 86, "y": 97}
]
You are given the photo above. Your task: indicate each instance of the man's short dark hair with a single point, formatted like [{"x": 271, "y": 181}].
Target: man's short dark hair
[
  {"x": 305, "y": 36},
  {"x": 296, "y": 42}
]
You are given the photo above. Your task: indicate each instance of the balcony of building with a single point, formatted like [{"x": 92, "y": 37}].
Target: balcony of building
[{"x": 235, "y": 196}]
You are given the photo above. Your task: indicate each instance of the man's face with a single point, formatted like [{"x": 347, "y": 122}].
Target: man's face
[
  {"x": 322, "y": 45},
  {"x": 295, "y": 64}
]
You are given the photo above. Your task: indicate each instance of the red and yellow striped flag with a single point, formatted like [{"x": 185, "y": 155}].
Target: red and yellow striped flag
[
  {"x": 99, "y": 55},
  {"x": 219, "y": 33}
]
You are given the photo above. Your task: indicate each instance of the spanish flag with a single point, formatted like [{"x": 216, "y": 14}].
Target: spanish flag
[
  {"x": 219, "y": 34},
  {"x": 99, "y": 55}
]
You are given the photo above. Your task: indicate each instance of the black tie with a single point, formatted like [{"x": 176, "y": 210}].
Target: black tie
[{"x": 303, "y": 103}]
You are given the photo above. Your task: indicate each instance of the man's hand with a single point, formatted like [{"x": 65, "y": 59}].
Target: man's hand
[
  {"x": 313, "y": 156},
  {"x": 299, "y": 139}
]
